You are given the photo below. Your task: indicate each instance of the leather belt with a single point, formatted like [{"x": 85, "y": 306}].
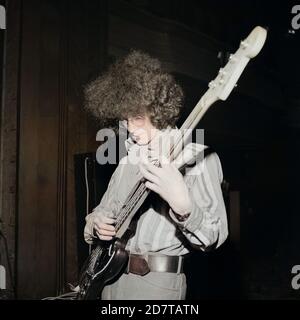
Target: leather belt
[{"x": 143, "y": 264}]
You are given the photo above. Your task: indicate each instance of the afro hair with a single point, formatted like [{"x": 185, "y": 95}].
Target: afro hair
[{"x": 134, "y": 85}]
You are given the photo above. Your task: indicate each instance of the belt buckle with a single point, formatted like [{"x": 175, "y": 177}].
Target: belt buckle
[{"x": 137, "y": 265}]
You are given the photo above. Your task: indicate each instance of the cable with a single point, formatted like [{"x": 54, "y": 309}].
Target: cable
[
  {"x": 86, "y": 185},
  {"x": 87, "y": 192},
  {"x": 65, "y": 296}
]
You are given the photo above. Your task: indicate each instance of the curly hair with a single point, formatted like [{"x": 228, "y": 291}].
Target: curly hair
[{"x": 134, "y": 85}]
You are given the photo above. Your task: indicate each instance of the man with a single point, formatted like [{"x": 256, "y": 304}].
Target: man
[{"x": 182, "y": 211}]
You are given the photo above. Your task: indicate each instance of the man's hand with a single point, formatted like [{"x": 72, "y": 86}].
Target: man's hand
[
  {"x": 103, "y": 227},
  {"x": 168, "y": 182}
]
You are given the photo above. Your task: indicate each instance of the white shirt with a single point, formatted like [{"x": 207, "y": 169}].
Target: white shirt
[{"x": 158, "y": 230}]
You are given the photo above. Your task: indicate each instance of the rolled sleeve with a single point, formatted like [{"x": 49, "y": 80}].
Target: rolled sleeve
[
  {"x": 194, "y": 220},
  {"x": 206, "y": 226}
]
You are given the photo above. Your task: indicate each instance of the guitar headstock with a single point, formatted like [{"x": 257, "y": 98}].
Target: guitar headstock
[{"x": 227, "y": 77}]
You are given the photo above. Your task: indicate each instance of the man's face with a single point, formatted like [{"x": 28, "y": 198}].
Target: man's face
[{"x": 140, "y": 129}]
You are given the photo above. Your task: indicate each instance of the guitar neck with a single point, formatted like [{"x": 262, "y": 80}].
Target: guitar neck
[{"x": 192, "y": 121}]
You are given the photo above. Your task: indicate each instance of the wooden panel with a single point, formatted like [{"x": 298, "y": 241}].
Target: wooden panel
[
  {"x": 63, "y": 45},
  {"x": 39, "y": 119},
  {"x": 9, "y": 134}
]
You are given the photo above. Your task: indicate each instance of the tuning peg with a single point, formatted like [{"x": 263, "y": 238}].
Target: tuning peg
[
  {"x": 222, "y": 72},
  {"x": 232, "y": 58},
  {"x": 221, "y": 81},
  {"x": 244, "y": 44},
  {"x": 212, "y": 85}
]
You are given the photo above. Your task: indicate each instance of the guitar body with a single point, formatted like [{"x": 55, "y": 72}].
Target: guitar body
[{"x": 103, "y": 265}]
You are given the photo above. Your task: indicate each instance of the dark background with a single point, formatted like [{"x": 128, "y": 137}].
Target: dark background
[{"x": 51, "y": 48}]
